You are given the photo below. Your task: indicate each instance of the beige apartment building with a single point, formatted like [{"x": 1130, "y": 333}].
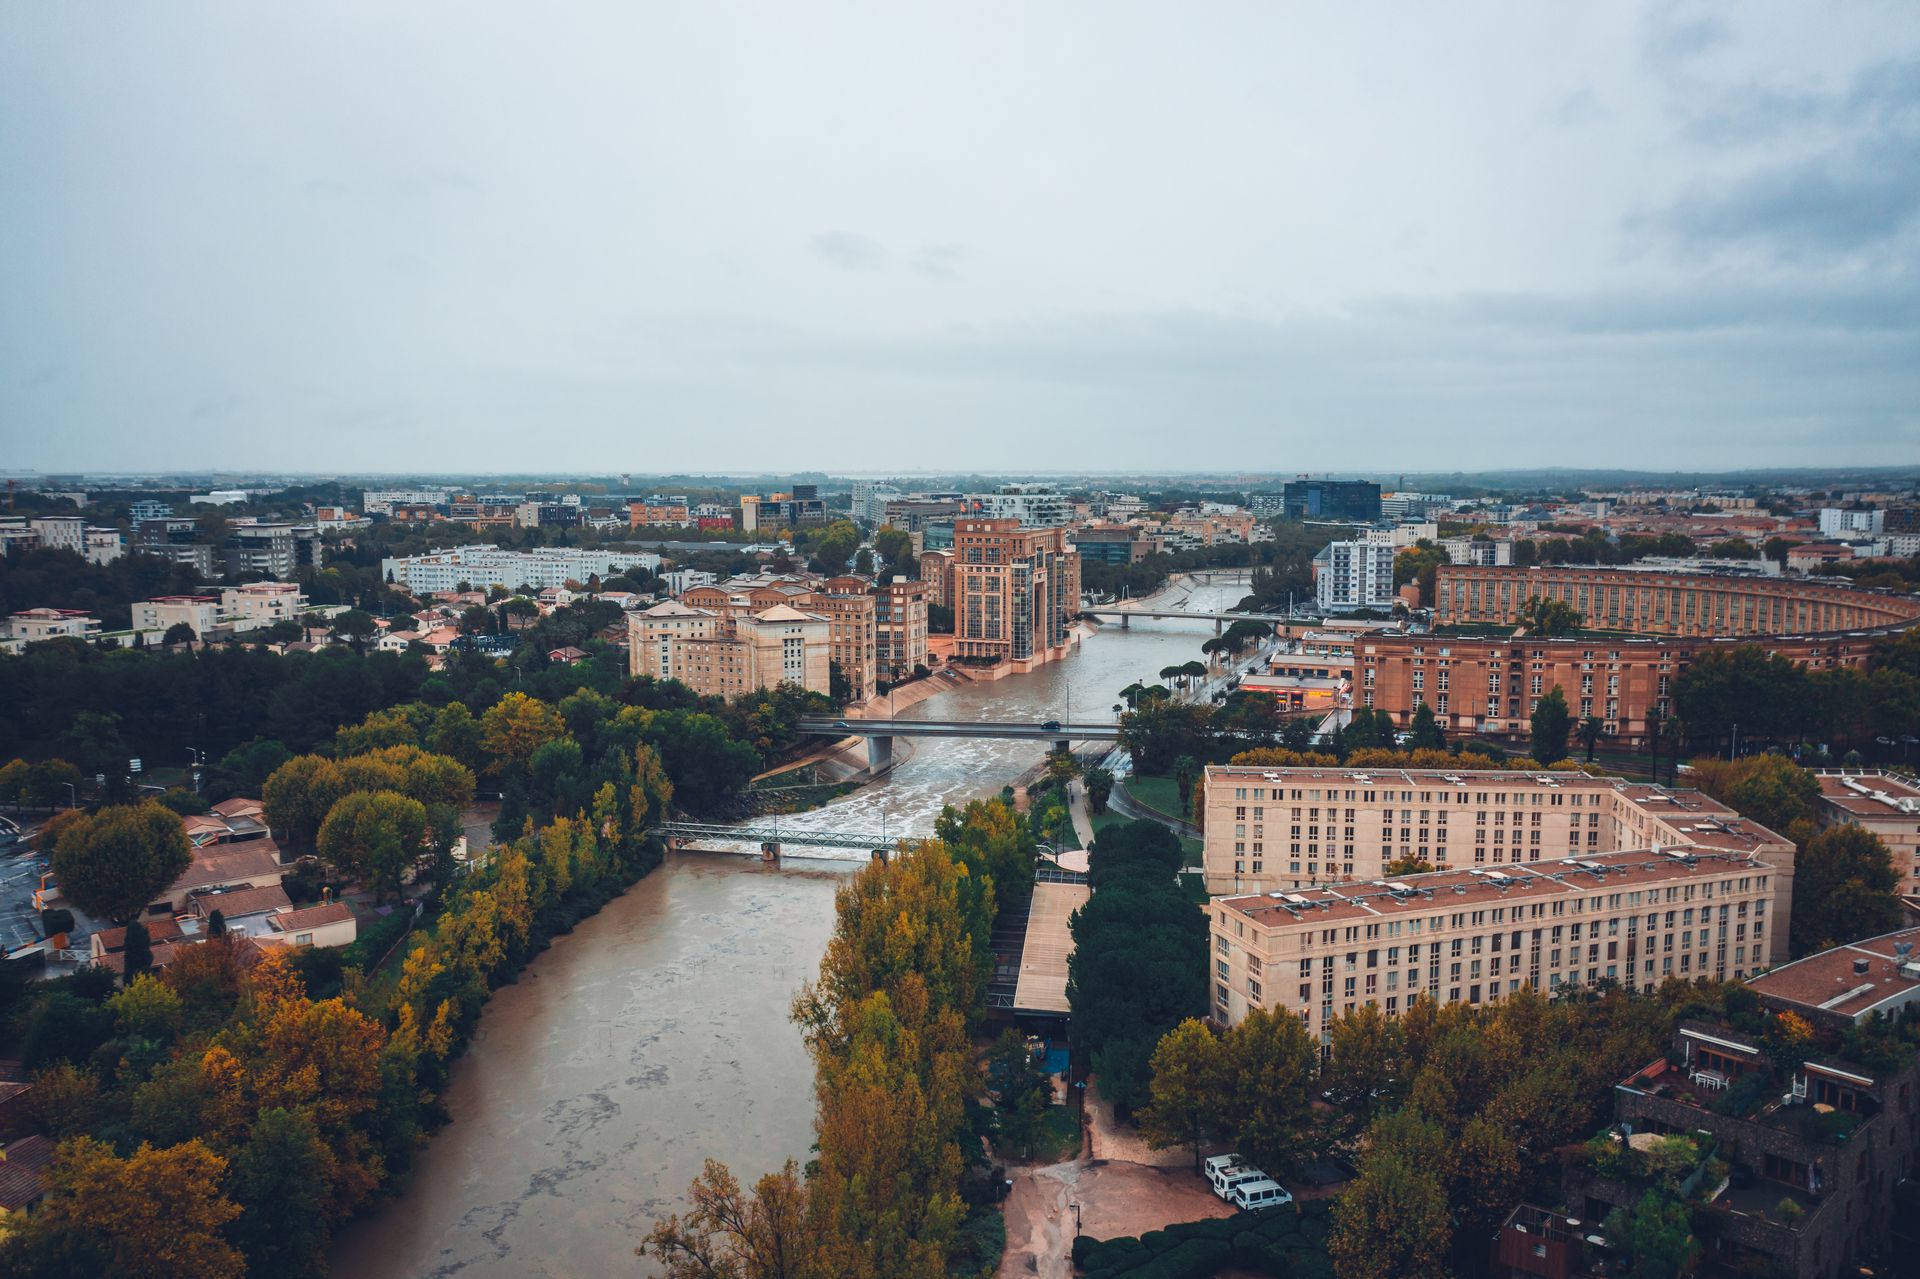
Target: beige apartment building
[
  {"x": 900, "y": 628},
  {"x": 258, "y": 604},
  {"x": 1015, "y": 591},
  {"x": 936, "y": 570},
  {"x": 1271, "y": 829},
  {"x": 1886, "y": 804},
  {"x": 852, "y": 642},
  {"x": 1635, "y": 917},
  {"x": 720, "y": 654}
]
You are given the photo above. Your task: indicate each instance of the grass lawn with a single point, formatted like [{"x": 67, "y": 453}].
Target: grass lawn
[
  {"x": 1058, "y": 1138},
  {"x": 1161, "y": 794},
  {"x": 1196, "y": 888}
]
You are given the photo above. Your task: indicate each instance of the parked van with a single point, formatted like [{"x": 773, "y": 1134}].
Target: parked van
[
  {"x": 1224, "y": 1182},
  {"x": 1265, "y": 1193},
  {"x": 1219, "y": 1163}
]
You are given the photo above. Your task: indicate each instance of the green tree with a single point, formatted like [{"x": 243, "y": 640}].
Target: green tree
[
  {"x": 1549, "y": 617},
  {"x": 1366, "y": 1063},
  {"x": 1392, "y": 1221},
  {"x": 1657, "y": 1236},
  {"x": 1592, "y": 729},
  {"x": 1269, "y": 1063},
  {"x": 1550, "y": 724},
  {"x": 1099, "y": 784},
  {"x": 277, "y": 1177},
  {"x": 299, "y": 794},
  {"x": 1426, "y": 734},
  {"x": 1771, "y": 789},
  {"x": 1186, "y": 770},
  {"x": 374, "y": 836},
  {"x": 834, "y": 546},
  {"x": 1845, "y": 887},
  {"x": 137, "y": 954},
  {"x": 356, "y": 626},
  {"x": 1190, "y": 1079},
  {"x": 121, "y": 858}
]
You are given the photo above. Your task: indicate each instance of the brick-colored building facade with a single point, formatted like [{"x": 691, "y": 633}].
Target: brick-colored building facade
[
  {"x": 900, "y": 628},
  {"x": 1015, "y": 591},
  {"x": 1489, "y": 683},
  {"x": 725, "y": 653},
  {"x": 1886, "y": 804},
  {"x": 1271, "y": 829}
]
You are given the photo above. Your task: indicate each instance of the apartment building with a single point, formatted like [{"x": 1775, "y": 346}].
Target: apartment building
[
  {"x": 30, "y": 625},
  {"x": 900, "y": 628},
  {"x": 148, "y": 509},
  {"x": 1033, "y": 505},
  {"x": 642, "y": 513},
  {"x": 1839, "y": 522},
  {"x": 104, "y": 545},
  {"x": 200, "y": 613},
  {"x": 1274, "y": 829},
  {"x": 725, "y": 655},
  {"x": 849, "y": 607},
  {"x": 1887, "y": 804},
  {"x": 1636, "y": 917},
  {"x": 259, "y": 604},
  {"x": 1354, "y": 575},
  {"x": 1015, "y": 591},
  {"x": 60, "y": 533},
  {"x": 485, "y": 565},
  {"x": 936, "y": 570}
]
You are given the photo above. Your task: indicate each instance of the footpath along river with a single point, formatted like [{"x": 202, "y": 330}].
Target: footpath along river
[{"x": 655, "y": 1035}]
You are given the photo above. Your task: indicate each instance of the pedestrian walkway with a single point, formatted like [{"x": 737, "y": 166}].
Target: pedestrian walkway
[{"x": 1077, "y": 809}]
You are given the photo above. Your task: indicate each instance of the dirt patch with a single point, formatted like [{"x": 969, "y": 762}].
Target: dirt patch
[{"x": 1115, "y": 1199}]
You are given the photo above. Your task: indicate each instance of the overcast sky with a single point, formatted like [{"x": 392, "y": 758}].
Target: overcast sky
[{"x": 719, "y": 236}]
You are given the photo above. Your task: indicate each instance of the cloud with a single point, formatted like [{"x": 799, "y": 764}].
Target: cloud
[
  {"x": 1671, "y": 39},
  {"x": 850, "y": 251},
  {"x": 1828, "y": 205},
  {"x": 940, "y": 261},
  {"x": 1579, "y": 109}
]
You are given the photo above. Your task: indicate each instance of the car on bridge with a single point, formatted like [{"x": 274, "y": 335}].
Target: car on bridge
[{"x": 1051, "y": 726}]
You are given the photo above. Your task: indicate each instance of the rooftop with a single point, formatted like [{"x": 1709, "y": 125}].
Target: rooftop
[
  {"x": 1600, "y": 873},
  {"x": 1851, "y": 981},
  {"x": 1871, "y": 794},
  {"x": 294, "y": 921}
]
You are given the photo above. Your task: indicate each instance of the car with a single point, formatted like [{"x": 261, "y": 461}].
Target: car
[
  {"x": 1051, "y": 726},
  {"x": 1266, "y": 1193},
  {"x": 841, "y": 723}
]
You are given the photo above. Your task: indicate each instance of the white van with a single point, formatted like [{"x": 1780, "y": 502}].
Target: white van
[
  {"x": 1265, "y": 1193},
  {"x": 1215, "y": 1164},
  {"x": 1224, "y": 1182}
]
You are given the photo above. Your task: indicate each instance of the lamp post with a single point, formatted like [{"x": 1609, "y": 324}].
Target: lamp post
[
  {"x": 196, "y": 753},
  {"x": 73, "y": 795}
]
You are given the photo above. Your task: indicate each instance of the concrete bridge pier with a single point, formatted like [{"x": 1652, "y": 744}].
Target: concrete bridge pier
[
  {"x": 1062, "y": 746},
  {"x": 1216, "y": 626},
  {"x": 1124, "y": 621},
  {"x": 879, "y": 755},
  {"x": 770, "y": 851}
]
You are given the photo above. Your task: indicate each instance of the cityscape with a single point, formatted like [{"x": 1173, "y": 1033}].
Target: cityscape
[{"x": 1095, "y": 643}]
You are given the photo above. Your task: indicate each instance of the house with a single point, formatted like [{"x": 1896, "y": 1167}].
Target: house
[
  {"x": 244, "y": 911},
  {"x": 23, "y": 1172},
  {"x": 567, "y": 656},
  {"x": 328, "y": 924},
  {"x": 108, "y": 947},
  {"x": 252, "y": 863}
]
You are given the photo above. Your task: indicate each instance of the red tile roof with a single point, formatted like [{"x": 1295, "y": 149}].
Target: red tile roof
[
  {"x": 23, "y": 1174},
  {"x": 162, "y": 929},
  {"x": 242, "y": 901},
  {"x": 297, "y": 921}
]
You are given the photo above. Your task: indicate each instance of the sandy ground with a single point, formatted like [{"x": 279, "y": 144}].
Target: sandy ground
[{"x": 1121, "y": 1186}]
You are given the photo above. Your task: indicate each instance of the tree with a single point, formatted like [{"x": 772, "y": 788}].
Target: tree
[
  {"x": 1189, "y": 1083},
  {"x": 1409, "y": 865},
  {"x": 1269, "y": 1064},
  {"x": 1845, "y": 887},
  {"x": 774, "y": 1232},
  {"x": 1426, "y": 734},
  {"x": 156, "y": 1213},
  {"x": 1392, "y": 1220},
  {"x": 356, "y": 626},
  {"x": 1099, "y": 784},
  {"x": 178, "y": 633},
  {"x": 513, "y": 728},
  {"x": 1656, "y": 1234},
  {"x": 895, "y": 546},
  {"x": 118, "y": 860},
  {"x": 834, "y": 546},
  {"x": 1550, "y": 724},
  {"x": 863, "y": 562},
  {"x": 277, "y": 1177},
  {"x": 1771, "y": 789},
  {"x": 1592, "y": 728},
  {"x": 1365, "y": 1070},
  {"x": 1549, "y": 617},
  {"x": 299, "y": 794},
  {"x": 138, "y": 951},
  {"x": 1185, "y": 770},
  {"x": 374, "y": 836}
]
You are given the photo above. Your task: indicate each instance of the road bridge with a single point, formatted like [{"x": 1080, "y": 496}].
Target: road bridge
[
  {"x": 1219, "y": 619},
  {"x": 879, "y": 733},
  {"x": 771, "y": 836}
]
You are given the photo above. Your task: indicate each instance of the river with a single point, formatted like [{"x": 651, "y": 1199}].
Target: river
[{"x": 655, "y": 1035}]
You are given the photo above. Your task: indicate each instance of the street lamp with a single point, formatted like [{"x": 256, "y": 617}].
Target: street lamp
[{"x": 73, "y": 796}]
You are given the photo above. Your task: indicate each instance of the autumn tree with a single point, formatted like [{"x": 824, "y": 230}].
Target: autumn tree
[
  {"x": 121, "y": 858},
  {"x": 1190, "y": 1082},
  {"x": 1549, "y": 617},
  {"x": 155, "y": 1214},
  {"x": 374, "y": 836},
  {"x": 772, "y": 1232},
  {"x": 513, "y": 728},
  {"x": 1769, "y": 788}
]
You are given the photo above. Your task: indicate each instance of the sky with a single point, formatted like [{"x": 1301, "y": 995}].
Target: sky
[{"x": 623, "y": 236}]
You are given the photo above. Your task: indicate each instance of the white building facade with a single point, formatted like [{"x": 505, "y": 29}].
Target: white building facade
[{"x": 1355, "y": 575}]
